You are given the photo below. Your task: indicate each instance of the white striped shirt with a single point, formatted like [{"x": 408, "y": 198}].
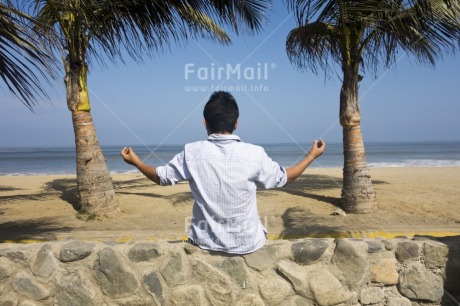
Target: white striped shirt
[{"x": 224, "y": 173}]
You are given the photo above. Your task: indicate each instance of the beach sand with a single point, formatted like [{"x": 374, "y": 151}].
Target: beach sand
[{"x": 423, "y": 201}]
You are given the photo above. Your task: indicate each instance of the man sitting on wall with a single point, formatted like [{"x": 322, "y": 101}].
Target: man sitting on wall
[{"x": 224, "y": 173}]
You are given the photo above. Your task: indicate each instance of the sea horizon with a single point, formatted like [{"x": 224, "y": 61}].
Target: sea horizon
[{"x": 43, "y": 160}]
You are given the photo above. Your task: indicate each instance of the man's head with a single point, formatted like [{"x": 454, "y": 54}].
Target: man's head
[{"x": 221, "y": 113}]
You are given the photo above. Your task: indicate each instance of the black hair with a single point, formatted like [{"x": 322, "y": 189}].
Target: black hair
[{"x": 221, "y": 112}]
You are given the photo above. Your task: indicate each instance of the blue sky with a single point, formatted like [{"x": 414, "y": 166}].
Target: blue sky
[{"x": 151, "y": 103}]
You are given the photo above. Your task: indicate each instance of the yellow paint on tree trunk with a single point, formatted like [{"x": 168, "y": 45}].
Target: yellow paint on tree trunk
[{"x": 84, "y": 104}]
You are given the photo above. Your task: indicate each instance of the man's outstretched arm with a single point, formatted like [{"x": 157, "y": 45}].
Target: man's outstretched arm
[
  {"x": 131, "y": 158},
  {"x": 315, "y": 151}
]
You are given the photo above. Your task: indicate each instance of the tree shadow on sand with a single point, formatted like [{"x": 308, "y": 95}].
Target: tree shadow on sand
[
  {"x": 42, "y": 229},
  {"x": 300, "y": 221},
  {"x": 306, "y": 185},
  {"x": 182, "y": 199},
  {"x": 9, "y": 188},
  {"x": 178, "y": 199},
  {"x": 5, "y": 199},
  {"x": 129, "y": 187},
  {"x": 26, "y": 197},
  {"x": 67, "y": 191},
  {"x": 132, "y": 184},
  {"x": 22, "y": 197}
]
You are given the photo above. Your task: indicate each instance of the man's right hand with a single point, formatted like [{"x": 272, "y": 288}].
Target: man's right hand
[
  {"x": 130, "y": 157},
  {"x": 295, "y": 171},
  {"x": 317, "y": 149}
]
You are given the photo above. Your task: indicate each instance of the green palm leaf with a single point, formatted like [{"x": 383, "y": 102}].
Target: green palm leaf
[
  {"x": 372, "y": 31},
  {"x": 103, "y": 27},
  {"x": 312, "y": 44},
  {"x": 24, "y": 63}
]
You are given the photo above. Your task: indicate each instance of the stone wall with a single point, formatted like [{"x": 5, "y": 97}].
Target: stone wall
[{"x": 394, "y": 272}]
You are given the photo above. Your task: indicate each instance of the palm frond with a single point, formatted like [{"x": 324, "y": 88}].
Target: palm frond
[
  {"x": 241, "y": 15},
  {"x": 310, "y": 46},
  {"x": 145, "y": 26},
  {"x": 377, "y": 30},
  {"x": 428, "y": 29},
  {"x": 24, "y": 62},
  {"x": 201, "y": 23}
]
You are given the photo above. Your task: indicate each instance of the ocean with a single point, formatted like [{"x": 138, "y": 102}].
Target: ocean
[{"x": 61, "y": 160}]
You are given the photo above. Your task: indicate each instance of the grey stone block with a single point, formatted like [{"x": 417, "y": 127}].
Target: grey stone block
[
  {"x": 389, "y": 245},
  {"x": 261, "y": 259},
  {"x": 327, "y": 290},
  {"x": 75, "y": 250},
  {"x": 374, "y": 246},
  {"x": 435, "y": 254},
  {"x": 291, "y": 271},
  {"x": 308, "y": 252},
  {"x": 407, "y": 251},
  {"x": 144, "y": 252},
  {"x": 153, "y": 283},
  {"x": 217, "y": 285},
  {"x": 73, "y": 289},
  {"x": 16, "y": 255},
  {"x": 114, "y": 278},
  {"x": 350, "y": 262},
  {"x": 190, "y": 249},
  {"x": 174, "y": 271},
  {"x": 417, "y": 283},
  {"x": 45, "y": 264},
  {"x": 235, "y": 268},
  {"x": 27, "y": 286}
]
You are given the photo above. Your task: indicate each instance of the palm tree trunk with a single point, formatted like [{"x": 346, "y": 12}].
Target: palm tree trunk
[
  {"x": 95, "y": 188},
  {"x": 358, "y": 195}
]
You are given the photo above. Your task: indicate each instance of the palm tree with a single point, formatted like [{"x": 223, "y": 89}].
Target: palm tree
[
  {"x": 364, "y": 35},
  {"x": 101, "y": 29},
  {"x": 24, "y": 63}
]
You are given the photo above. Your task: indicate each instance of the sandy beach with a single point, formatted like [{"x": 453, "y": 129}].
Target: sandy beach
[{"x": 411, "y": 200}]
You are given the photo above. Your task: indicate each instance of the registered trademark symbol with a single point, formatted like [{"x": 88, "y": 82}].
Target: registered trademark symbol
[{"x": 273, "y": 66}]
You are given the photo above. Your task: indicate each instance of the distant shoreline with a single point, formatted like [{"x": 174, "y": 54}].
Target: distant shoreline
[
  {"x": 72, "y": 147},
  {"x": 135, "y": 171},
  {"x": 43, "y": 161}
]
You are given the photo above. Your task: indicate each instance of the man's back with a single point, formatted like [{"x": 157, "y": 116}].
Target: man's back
[{"x": 223, "y": 173}]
